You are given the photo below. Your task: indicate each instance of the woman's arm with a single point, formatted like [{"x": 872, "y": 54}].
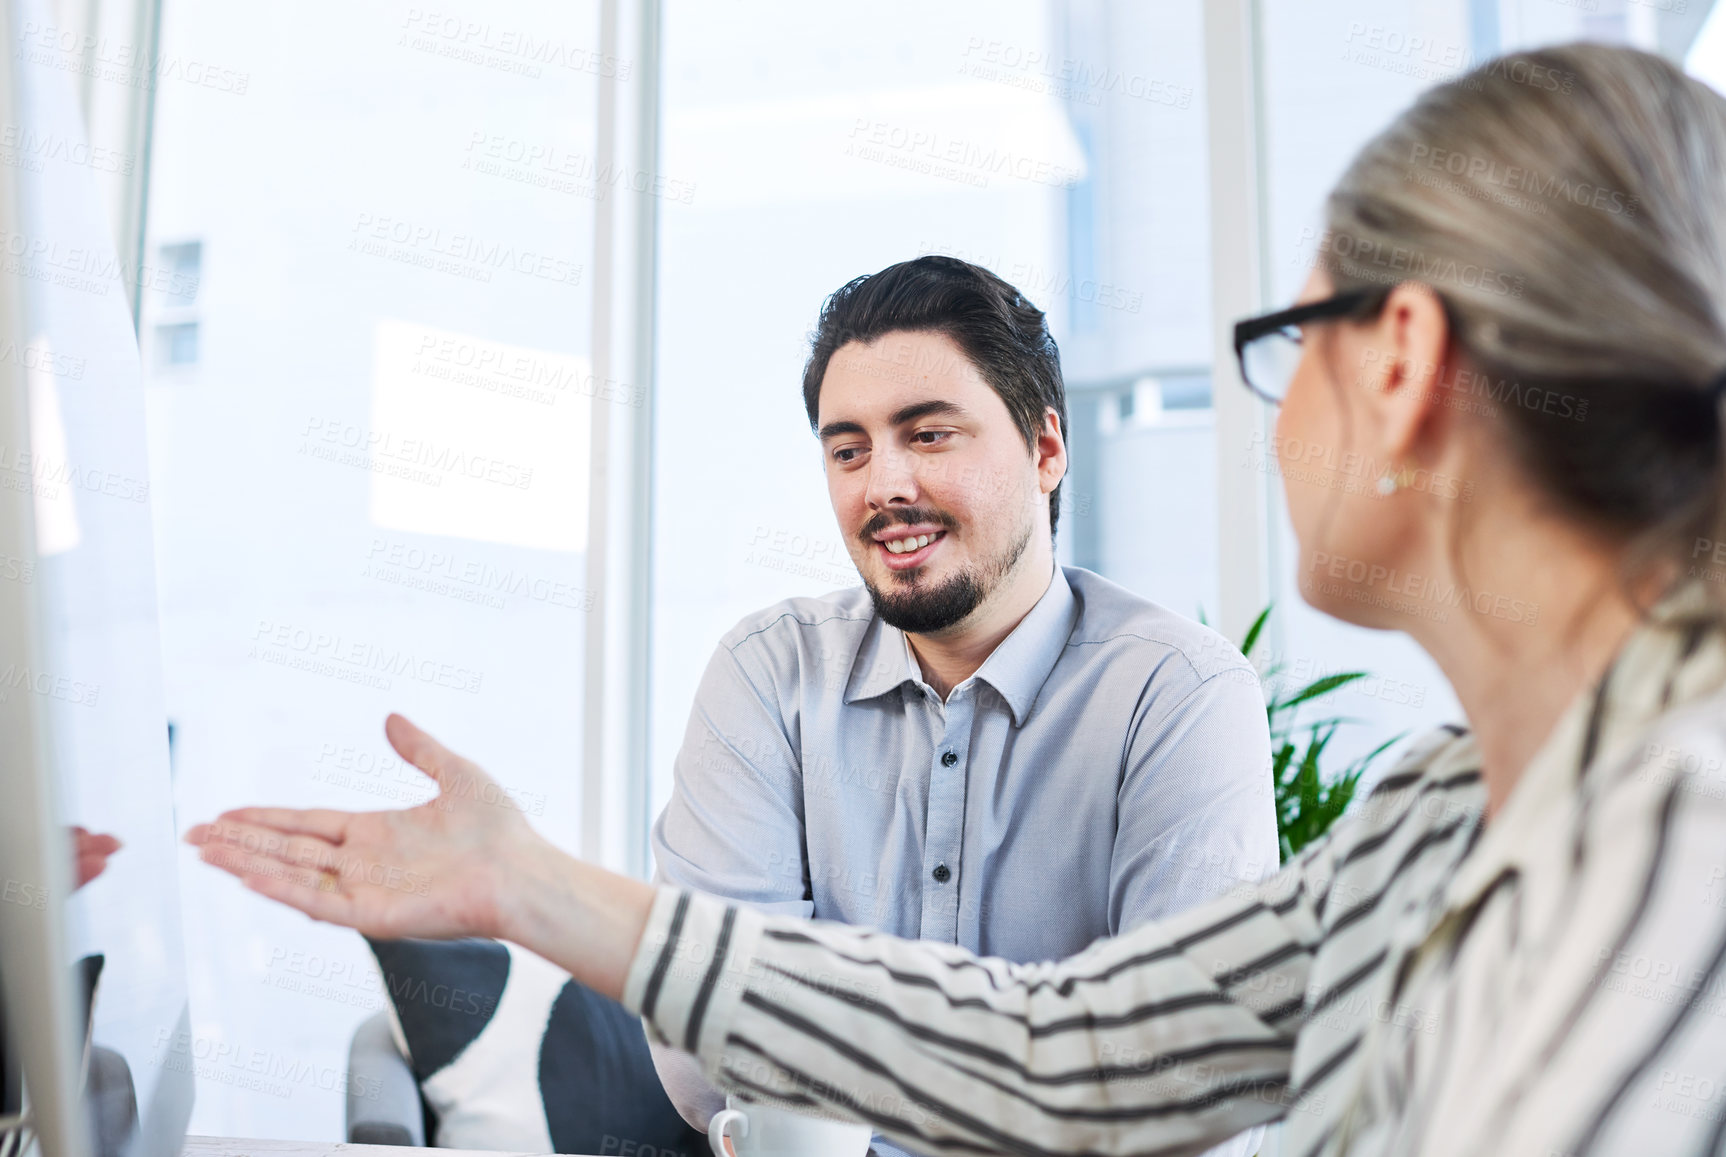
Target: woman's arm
[{"x": 1172, "y": 1037}]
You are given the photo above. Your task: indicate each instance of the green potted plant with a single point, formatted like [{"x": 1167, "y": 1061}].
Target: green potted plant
[{"x": 1309, "y": 797}]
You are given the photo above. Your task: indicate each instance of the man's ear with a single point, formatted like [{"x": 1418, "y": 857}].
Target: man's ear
[{"x": 1051, "y": 451}]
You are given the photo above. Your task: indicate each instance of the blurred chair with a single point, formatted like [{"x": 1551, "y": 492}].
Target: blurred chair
[{"x": 384, "y": 1103}]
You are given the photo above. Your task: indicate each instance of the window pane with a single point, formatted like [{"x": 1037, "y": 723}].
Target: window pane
[
  {"x": 183, "y": 264},
  {"x": 369, "y": 415},
  {"x": 177, "y": 345}
]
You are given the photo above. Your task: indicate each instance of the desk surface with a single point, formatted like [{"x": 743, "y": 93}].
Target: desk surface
[{"x": 245, "y": 1147}]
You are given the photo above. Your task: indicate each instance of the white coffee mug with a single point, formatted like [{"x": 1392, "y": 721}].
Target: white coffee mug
[{"x": 760, "y": 1131}]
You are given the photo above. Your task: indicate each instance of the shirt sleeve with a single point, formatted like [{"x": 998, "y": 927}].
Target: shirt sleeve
[
  {"x": 1197, "y": 811},
  {"x": 734, "y": 824},
  {"x": 1168, "y": 1039},
  {"x": 733, "y": 828}
]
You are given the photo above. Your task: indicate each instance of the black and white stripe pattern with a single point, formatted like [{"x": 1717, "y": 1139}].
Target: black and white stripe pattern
[{"x": 1553, "y": 982}]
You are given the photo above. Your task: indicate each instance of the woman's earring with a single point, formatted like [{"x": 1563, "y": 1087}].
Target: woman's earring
[{"x": 1389, "y": 484}]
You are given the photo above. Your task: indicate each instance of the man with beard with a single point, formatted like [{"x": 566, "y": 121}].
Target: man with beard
[{"x": 977, "y": 746}]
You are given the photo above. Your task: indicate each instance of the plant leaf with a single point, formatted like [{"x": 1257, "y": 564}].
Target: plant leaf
[
  {"x": 1307, "y": 800},
  {"x": 1323, "y": 686},
  {"x": 1253, "y": 631}
]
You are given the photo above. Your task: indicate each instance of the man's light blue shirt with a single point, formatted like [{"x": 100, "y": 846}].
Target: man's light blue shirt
[{"x": 1107, "y": 763}]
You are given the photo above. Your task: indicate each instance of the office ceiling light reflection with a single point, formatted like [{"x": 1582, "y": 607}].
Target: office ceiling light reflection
[
  {"x": 478, "y": 439},
  {"x": 887, "y": 143}
]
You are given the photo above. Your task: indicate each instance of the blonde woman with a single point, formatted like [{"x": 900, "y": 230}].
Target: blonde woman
[{"x": 1504, "y": 380}]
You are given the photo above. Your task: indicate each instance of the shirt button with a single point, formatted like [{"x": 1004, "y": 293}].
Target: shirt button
[
  {"x": 941, "y": 874},
  {"x": 949, "y": 758}
]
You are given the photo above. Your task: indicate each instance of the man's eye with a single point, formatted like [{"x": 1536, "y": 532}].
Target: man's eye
[
  {"x": 845, "y": 453},
  {"x": 931, "y": 437}
]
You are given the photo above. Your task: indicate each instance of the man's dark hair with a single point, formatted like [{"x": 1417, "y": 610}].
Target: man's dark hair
[{"x": 1002, "y": 334}]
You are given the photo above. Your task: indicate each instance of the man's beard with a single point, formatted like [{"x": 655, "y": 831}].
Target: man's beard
[{"x": 921, "y": 609}]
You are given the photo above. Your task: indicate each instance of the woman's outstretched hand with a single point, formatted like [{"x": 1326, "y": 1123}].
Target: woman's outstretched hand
[
  {"x": 437, "y": 871},
  {"x": 90, "y": 852}
]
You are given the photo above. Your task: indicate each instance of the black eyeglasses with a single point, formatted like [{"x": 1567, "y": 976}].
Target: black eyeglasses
[{"x": 1268, "y": 347}]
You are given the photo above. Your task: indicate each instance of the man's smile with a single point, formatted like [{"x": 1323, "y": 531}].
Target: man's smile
[{"x": 904, "y": 547}]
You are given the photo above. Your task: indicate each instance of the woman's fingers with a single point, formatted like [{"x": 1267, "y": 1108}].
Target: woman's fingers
[
  {"x": 424, "y": 871},
  {"x": 324, "y": 823},
  {"x": 350, "y": 891},
  {"x": 250, "y": 866},
  {"x": 369, "y": 857},
  {"x": 269, "y": 843},
  {"x": 90, "y": 858},
  {"x": 90, "y": 852},
  {"x": 84, "y": 840},
  {"x": 421, "y": 749}
]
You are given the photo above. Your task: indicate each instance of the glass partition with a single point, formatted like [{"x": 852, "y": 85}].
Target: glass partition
[
  {"x": 84, "y": 670},
  {"x": 367, "y": 332}
]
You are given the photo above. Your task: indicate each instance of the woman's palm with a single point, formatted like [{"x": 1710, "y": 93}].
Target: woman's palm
[{"x": 432, "y": 871}]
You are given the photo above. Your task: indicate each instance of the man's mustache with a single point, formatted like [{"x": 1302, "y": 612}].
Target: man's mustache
[{"x": 905, "y": 516}]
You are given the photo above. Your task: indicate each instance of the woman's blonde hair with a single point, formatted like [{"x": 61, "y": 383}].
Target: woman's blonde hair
[{"x": 1569, "y": 207}]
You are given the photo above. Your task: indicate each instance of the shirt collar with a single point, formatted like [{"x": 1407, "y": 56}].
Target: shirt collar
[
  {"x": 1673, "y": 659},
  {"x": 1017, "y": 668}
]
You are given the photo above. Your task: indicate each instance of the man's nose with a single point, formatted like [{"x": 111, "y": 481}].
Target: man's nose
[{"x": 892, "y": 481}]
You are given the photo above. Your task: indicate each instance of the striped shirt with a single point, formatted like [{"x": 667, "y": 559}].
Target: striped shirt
[{"x": 1550, "y": 984}]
